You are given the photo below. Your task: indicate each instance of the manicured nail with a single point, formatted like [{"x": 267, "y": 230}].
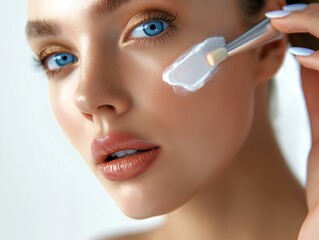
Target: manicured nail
[
  {"x": 299, "y": 51},
  {"x": 295, "y": 7},
  {"x": 277, "y": 14}
]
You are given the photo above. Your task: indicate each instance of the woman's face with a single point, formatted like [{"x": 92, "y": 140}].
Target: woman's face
[{"x": 109, "y": 82}]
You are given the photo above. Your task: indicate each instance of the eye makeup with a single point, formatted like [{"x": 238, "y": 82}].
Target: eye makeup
[
  {"x": 48, "y": 52},
  {"x": 142, "y": 18},
  {"x": 152, "y": 19}
]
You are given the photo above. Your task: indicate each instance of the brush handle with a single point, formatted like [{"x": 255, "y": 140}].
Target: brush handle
[{"x": 258, "y": 35}]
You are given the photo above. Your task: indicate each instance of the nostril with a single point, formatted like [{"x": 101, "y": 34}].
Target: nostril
[
  {"x": 88, "y": 116},
  {"x": 110, "y": 107}
]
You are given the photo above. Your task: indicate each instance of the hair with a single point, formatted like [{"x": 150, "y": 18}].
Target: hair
[{"x": 252, "y": 8}]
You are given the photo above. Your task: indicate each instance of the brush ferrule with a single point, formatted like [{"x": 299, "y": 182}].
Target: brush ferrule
[{"x": 261, "y": 34}]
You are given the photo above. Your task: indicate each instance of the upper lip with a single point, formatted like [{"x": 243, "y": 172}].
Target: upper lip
[{"x": 103, "y": 146}]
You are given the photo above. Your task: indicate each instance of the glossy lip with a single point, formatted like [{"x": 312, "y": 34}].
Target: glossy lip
[{"x": 126, "y": 167}]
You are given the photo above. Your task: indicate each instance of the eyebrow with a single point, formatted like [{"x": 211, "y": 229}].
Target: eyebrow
[
  {"x": 101, "y": 8},
  {"x": 42, "y": 28},
  {"x": 98, "y": 10}
]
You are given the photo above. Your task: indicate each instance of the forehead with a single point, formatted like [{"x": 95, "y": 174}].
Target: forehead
[
  {"x": 83, "y": 14},
  {"x": 46, "y": 16},
  {"x": 50, "y": 8}
]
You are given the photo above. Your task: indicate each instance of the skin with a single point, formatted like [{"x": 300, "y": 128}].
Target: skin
[{"x": 220, "y": 173}]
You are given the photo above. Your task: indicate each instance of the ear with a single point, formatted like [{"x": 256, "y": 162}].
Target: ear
[
  {"x": 270, "y": 56},
  {"x": 269, "y": 59}
]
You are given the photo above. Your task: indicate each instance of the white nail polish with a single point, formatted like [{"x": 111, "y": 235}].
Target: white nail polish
[
  {"x": 295, "y": 7},
  {"x": 300, "y": 51},
  {"x": 277, "y": 14}
]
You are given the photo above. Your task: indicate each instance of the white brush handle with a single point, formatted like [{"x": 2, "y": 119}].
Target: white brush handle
[{"x": 262, "y": 33}]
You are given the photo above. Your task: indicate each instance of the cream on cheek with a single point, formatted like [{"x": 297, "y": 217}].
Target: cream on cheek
[{"x": 192, "y": 70}]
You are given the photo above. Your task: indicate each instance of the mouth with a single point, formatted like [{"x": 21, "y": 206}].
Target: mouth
[
  {"x": 125, "y": 153},
  {"x": 121, "y": 157},
  {"x": 118, "y": 146}
]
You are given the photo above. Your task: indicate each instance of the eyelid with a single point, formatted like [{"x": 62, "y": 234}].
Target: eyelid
[
  {"x": 147, "y": 16},
  {"x": 52, "y": 49},
  {"x": 47, "y": 52},
  {"x": 135, "y": 21}
]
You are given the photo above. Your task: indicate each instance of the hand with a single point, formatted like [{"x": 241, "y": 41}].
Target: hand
[{"x": 307, "y": 21}]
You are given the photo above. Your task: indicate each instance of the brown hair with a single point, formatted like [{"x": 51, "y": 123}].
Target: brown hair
[{"x": 251, "y": 8}]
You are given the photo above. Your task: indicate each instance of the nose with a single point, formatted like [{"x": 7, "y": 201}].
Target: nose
[{"x": 100, "y": 91}]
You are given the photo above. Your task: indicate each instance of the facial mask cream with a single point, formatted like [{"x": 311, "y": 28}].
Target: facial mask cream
[{"x": 191, "y": 70}]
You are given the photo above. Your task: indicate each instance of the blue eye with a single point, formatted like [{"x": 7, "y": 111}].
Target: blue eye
[
  {"x": 149, "y": 29},
  {"x": 60, "y": 60}
]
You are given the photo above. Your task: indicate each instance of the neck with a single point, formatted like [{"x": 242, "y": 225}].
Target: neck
[{"x": 257, "y": 197}]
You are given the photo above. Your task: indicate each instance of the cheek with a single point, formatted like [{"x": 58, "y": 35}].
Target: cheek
[
  {"x": 69, "y": 118},
  {"x": 199, "y": 133},
  {"x": 215, "y": 122}
]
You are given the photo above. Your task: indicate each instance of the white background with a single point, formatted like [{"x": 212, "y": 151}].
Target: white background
[{"x": 46, "y": 190}]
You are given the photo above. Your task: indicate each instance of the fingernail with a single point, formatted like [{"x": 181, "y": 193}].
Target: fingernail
[
  {"x": 277, "y": 14},
  {"x": 295, "y": 7},
  {"x": 300, "y": 51}
]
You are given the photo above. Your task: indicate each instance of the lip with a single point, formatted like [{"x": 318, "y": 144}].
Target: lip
[{"x": 126, "y": 167}]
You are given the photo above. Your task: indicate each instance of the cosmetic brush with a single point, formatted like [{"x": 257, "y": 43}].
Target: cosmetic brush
[
  {"x": 262, "y": 33},
  {"x": 195, "y": 67}
]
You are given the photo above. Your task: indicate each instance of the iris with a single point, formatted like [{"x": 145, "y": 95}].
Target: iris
[
  {"x": 60, "y": 60},
  {"x": 153, "y": 28},
  {"x": 150, "y": 29}
]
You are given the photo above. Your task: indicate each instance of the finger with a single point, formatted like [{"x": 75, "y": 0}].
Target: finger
[
  {"x": 310, "y": 84},
  {"x": 300, "y": 21},
  {"x": 313, "y": 178},
  {"x": 309, "y": 229},
  {"x": 311, "y": 61}
]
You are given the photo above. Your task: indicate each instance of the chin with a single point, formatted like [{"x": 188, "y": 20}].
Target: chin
[
  {"x": 146, "y": 211},
  {"x": 139, "y": 202},
  {"x": 141, "y": 214},
  {"x": 143, "y": 208}
]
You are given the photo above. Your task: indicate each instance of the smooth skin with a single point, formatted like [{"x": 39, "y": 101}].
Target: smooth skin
[{"x": 220, "y": 174}]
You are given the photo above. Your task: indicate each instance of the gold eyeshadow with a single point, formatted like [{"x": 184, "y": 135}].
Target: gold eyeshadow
[
  {"x": 137, "y": 20},
  {"x": 146, "y": 16}
]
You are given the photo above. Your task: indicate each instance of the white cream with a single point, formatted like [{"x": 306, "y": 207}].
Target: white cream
[{"x": 191, "y": 70}]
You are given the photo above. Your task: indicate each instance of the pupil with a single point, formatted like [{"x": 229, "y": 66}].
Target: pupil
[
  {"x": 64, "y": 58},
  {"x": 153, "y": 27}
]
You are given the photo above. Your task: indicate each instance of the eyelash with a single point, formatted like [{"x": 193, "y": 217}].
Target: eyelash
[
  {"x": 151, "y": 15},
  {"x": 40, "y": 62}
]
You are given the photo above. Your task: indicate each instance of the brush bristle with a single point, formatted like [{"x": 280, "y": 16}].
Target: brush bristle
[{"x": 217, "y": 56}]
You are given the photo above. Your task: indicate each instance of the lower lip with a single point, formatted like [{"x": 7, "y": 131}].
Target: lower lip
[{"x": 128, "y": 167}]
